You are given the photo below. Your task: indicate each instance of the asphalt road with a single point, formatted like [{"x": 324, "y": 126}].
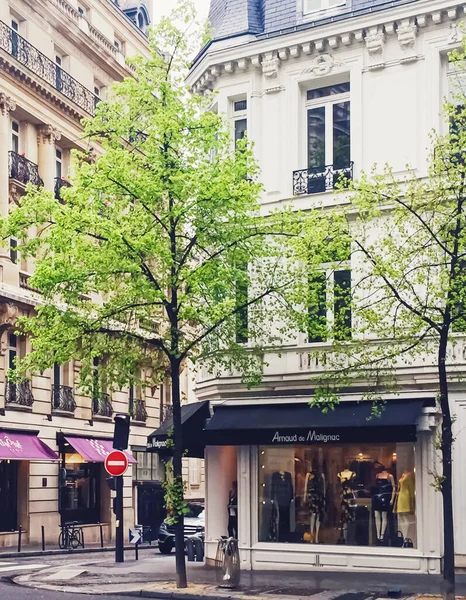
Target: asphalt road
[{"x": 16, "y": 592}]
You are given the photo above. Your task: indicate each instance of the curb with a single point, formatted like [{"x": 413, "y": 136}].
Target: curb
[{"x": 57, "y": 552}]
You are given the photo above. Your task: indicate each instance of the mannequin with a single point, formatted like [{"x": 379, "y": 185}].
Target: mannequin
[
  {"x": 406, "y": 502},
  {"x": 382, "y": 500},
  {"x": 233, "y": 511},
  {"x": 314, "y": 498},
  {"x": 346, "y": 478},
  {"x": 282, "y": 495}
]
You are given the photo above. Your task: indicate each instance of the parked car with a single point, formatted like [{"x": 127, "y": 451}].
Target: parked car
[{"x": 194, "y": 526}]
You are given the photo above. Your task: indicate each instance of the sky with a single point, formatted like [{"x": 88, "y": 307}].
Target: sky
[{"x": 163, "y": 7}]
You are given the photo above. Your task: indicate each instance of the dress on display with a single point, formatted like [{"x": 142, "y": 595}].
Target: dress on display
[
  {"x": 315, "y": 494},
  {"x": 282, "y": 494},
  {"x": 405, "y": 502},
  {"x": 381, "y": 500},
  {"x": 346, "y": 496}
]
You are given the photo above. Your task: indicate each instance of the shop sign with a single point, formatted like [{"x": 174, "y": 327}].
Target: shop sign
[
  {"x": 312, "y": 436},
  {"x": 158, "y": 444}
]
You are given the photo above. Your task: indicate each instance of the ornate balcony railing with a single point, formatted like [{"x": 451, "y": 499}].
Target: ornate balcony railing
[
  {"x": 320, "y": 179},
  {"x": 63, "y": 398},
  {"x": 33, "y": 59},
  {"x": 18, "y": 393},
  {"x": 102, "y": 406},
  {"x": 59, "y": 184},
  {"x": 23, "y": 170},
  {"x": 139, "y": 410}
]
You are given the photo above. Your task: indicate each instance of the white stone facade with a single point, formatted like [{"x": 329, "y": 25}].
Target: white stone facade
[{"x": 396, "y": 63}]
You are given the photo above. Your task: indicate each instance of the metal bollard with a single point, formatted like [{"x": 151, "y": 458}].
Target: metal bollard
[
  {"x": 43, "y": 537},
  {"x": 82, "y": 537},
  {"x": 19, "y": 538},
  {"x": 136, "y": 551},
  {"x": 101, "y": 536}
]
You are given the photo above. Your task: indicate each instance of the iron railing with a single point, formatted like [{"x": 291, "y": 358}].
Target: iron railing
[
  {"x": 63, "y": 398},
  {"x": 33, "y": 59},
  {"x": 102, "y": 406},
  {"x": 59, "y": 184},
  {"x": 139, "y": 411},
  {"x": 18, "y": 393},
  {"x": 23, "y": 170},
  {"x": 320, "y": 179}
]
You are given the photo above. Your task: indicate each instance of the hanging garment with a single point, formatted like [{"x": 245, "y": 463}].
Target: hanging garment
[
  {"x": 405, "y": 502},
  {"x": 346, "y": 497},
  {"x": 315, "y": 494},
  {"x": 383, "y": 495}
]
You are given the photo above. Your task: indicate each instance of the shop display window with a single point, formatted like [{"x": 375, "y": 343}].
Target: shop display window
[
  {"x": 80, "y": 490},
  {"x": 356, "y": 495}
]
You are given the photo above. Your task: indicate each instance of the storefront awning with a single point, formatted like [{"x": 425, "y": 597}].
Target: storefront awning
[
  {"x": 301, "y": 424},
  {"x": 193, "y": 419},
  {"x": 24, "y": 446},
  {"x": 94, "y": 450}
]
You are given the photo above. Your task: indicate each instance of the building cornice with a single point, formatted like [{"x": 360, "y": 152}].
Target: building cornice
[{"x": 372, "y": 30}]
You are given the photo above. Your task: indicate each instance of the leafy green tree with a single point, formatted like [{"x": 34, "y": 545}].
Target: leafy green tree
[
  {"x": 408, "y": 292},
  {"x": 157, "y": 255}
]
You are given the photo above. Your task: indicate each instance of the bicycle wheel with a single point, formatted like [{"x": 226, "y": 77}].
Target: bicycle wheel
[
  {"x": 75, "y": 540},
  {"x": 62, "y": 541}
]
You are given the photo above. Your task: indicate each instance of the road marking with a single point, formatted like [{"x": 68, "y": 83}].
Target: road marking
[
  {"x": 116, "y": 463},
  {"x": 19, "y": 567}
]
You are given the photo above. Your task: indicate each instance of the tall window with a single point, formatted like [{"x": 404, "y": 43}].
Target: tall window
[
  {"x": 58, "y": 71},
  {"x": 329, "y": 308},
  {"x": 58, "y": 163},
  {"x": 14, "y": 37},
  {"x": 240, "y": 119},
  {"x": 242, "y": 290},
  {"x": 328, "y": 126},
  {"x": 15, "y": 136}
]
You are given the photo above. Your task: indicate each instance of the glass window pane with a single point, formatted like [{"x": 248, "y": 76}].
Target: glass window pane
[
  {"x": 240, "y": 129},
  {"x": 317, "y": 309},
  {"x": 316, "y": 137},
  {"x": 359, "y": 495},
  {"x": 329, "y": 90},
  {"x": 342, "y": 305},
  {"x": 312, "y": 5},
  {"x": 341, "y": 135}
]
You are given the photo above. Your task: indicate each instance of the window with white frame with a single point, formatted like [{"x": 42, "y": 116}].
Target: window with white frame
[
  {"x": 240, "y": 120},
  {"x": 15, "y": 136},
  {"x": 328, "y": 126},
  {"x": 58, "y": 163},
  {"x": 194, "y": 472},
  {"x": 311, "y": 6}
]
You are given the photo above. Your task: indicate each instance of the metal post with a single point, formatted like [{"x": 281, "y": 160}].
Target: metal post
[
  {"x": 101, "y": 536},
  {"x": 136, "y": 551},
  {"x": 43, "y": 537},
  {"x": 82, "y": 537},
  {"x": 119, "y": 542},
  {"x": 19, "y": 539}
]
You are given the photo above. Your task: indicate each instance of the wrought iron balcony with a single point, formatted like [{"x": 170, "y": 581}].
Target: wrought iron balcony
[
  {"x": 320, "y": 179},
  {"x": 29, "y": 56},
  {"x": 102, "y": 406},
  {"x": 139, "y": 412},
  {"x": 18, "y": 393},
  {"x": 63, "y": 398},
  {"x": 23, "y": 170},
  {"x": 59, "y": 184}
]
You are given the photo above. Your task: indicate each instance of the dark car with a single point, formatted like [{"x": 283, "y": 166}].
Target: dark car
[{"x": 194, "y": 526}]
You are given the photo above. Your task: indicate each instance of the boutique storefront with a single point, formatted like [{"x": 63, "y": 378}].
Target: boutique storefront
[{"x": 342, "y": 490}]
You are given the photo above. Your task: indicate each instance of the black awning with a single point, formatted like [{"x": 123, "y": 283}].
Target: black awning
[
  {"x": 193, "y": 420},
  {"x": 301, "y": 424}
]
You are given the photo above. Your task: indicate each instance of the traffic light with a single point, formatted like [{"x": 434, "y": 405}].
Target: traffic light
[{"x": 121, "y": 432}]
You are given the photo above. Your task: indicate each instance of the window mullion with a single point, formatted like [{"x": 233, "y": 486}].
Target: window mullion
[{"x": 328, "y": 134}]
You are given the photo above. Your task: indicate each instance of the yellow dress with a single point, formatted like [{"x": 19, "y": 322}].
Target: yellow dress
[{"x": 405, "y": 502}]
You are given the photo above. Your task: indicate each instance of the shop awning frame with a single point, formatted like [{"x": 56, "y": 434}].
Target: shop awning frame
[
  {"x": 193, "y": 419},
  {"x": 90, "y": 448},
  {"x": 24, "y": 445},
  {"x": 299, "y": 423}
]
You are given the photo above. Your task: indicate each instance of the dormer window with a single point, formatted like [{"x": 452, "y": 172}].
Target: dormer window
[{"x": 311, "y": 6}]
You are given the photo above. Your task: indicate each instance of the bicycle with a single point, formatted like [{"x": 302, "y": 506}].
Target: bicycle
[{"x": 71, "y": 537}]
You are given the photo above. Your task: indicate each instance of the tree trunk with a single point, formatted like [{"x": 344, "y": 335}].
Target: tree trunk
[
  {"x": 447, "y": 493},
  {"x": 181, "y": 579}
]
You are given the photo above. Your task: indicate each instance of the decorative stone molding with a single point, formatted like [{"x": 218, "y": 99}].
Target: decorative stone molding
[
  {"x": 9, "y": 314},
  {"x": 48, "y": 134},
  {"x": 270, "y": 65},
  {"x": 7, "y": 104},
  {"x": 14, "y": 193},
  {"x": 322, "y": 65},
  {"x": 407, "y": 32},
  {"x": 375, "y": 43}
]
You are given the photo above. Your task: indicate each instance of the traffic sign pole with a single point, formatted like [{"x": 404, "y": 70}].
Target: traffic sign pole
[{"x": 119, "y": 537}]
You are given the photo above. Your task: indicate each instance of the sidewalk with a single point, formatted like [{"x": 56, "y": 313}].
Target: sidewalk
[
  {"x": 34, "y": 550},
  {"x": 153, "y": 577}
]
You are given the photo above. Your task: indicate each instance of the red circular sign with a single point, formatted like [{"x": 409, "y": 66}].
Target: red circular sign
[{"x": 116, "y": 463}]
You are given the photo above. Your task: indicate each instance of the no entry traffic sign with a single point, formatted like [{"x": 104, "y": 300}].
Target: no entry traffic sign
[{"x": 116, "y": 463}]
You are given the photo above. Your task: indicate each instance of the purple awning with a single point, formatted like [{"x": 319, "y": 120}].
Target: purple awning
[
  {"x": 94, "y": 450},
  {"x": 24, "y": 446}
]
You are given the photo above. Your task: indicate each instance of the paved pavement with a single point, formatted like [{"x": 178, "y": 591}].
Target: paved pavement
[{"x": 154, "y": 574}]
